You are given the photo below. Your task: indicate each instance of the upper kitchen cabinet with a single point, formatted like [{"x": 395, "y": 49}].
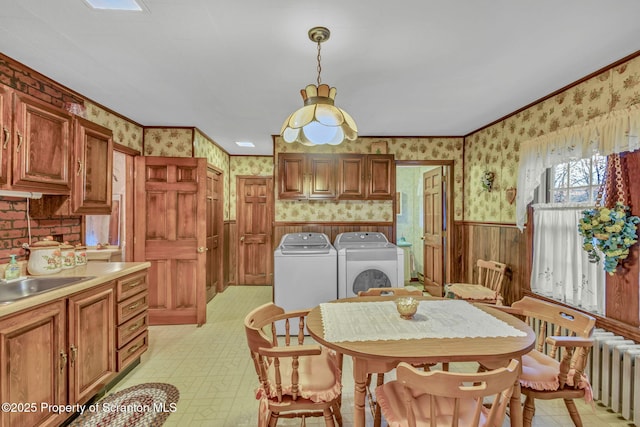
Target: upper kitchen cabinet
[
  {"x": 5, "y": 138},
  {"x": 41, "y": 144},
  {"x": 93, "y": 164},
  {"x": 381, "y": 173},
  {"x": 306, "y": 176}
]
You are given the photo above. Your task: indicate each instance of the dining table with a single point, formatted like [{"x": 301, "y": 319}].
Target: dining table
[{"x": 371, "y": 331}]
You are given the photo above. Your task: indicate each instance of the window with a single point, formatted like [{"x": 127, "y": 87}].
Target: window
[
  {"x": 577, "y": 181},
  {"x": 561, "y": 269}
]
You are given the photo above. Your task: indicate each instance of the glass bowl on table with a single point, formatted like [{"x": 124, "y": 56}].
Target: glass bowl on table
[{"x": 407, "y": 307}]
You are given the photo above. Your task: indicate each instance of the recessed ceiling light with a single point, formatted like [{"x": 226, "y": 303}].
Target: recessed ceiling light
[
  {"x": 115, "y": 4},
  {"x": 245, "y": 144}
]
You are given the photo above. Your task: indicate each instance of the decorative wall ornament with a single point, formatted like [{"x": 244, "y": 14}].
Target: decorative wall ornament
[
  {"x": 510, "y": 194},
  {"x": 487, "y": 179}
]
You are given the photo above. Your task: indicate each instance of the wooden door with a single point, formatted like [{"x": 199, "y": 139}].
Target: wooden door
[
  {"x": 92, "y": 347},
  {"x": 170, "y": 233},
  {"x": 254, "y": 222},
  {"x": 433, "y": 236},
  {"x": 215, "y": 206},
  {"x": 34, "y": 364},
  {"x": 5, "y": 135}
]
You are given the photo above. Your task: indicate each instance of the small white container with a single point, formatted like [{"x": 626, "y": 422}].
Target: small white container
[
  {"x": 45, "y": 258},
  {"x": 68, "y": 254}
]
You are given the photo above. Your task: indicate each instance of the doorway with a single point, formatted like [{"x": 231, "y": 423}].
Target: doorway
[{"x": 423, "y": 219}]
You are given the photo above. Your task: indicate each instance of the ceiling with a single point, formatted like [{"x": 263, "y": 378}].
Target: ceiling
[{"x": 234, "y": 69}]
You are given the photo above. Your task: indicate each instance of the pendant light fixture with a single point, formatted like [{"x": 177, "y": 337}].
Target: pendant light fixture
[{"x": 319, "y": 122}]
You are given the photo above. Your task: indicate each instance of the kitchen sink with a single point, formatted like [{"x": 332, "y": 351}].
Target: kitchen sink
[{"x": 14, "y": 291}]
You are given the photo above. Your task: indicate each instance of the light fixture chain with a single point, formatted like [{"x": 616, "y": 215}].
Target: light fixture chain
[{"x": 319, "y": 66}]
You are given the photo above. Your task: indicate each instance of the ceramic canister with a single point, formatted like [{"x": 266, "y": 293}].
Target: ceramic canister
[
  {"x": 68, "y": 256},
  {"x": 45, "y": 258},
  {"x": 81, "y": 255}
]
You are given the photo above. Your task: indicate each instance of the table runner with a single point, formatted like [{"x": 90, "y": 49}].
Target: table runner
[{"x": 377, "y": 321}]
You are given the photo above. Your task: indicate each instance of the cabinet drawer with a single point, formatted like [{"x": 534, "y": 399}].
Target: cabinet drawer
[
  {"x": 132, "y": 350},
  {"x": 130, "y": 285},
  {"x": 132, "y": 307},
  {"x": 128, "y": 330}
]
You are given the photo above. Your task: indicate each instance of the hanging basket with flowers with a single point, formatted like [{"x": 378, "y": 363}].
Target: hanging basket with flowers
[{"x": 609, "y": 232}]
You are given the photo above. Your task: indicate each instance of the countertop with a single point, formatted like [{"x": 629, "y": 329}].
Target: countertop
[{"x": 103, "y": 272}]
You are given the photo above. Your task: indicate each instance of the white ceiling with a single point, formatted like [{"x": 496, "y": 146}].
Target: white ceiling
[{"x": 234, "y": 68}]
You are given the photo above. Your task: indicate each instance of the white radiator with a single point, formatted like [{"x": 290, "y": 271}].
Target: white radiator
[{"x": 614, "y": 372}]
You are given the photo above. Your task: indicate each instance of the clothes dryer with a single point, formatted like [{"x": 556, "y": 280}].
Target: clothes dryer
[{"x": 367, "y": 260}]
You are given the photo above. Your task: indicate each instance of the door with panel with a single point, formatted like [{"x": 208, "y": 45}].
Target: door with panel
[
  {"x": 254, "y": 222},
  {"x": 170, "y": 233},
  {"x": 215, "y": 206},
  {"x": 433, "y": 237}
]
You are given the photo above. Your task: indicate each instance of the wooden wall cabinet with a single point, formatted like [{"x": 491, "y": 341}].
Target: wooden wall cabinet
[
  {"x": 336, "y": 176},
  {"x": 306, "y": 176},
  {"x": 34, "y": 356},
  {"x": 41, "y": 144},
  {"x": 93, "y": 163}
]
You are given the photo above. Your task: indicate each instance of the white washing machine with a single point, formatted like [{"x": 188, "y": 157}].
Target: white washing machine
[
  {"x": 367, "y": 260},
  {"x": 305, "y": 272}
]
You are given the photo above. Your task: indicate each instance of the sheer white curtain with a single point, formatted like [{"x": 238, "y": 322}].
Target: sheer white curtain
[
  {"x": 561, "y": 269},
  {"x": 614, "y": 132}
]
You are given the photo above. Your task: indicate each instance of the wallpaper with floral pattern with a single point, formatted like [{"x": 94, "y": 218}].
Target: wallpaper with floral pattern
[
  {"x": 124, "y": 132},
  {"x": 418, "y": 148},
  {"x": 203, "y": 146},
  {"x": 496, "y": 147},
  {"x": 168, "y": 142},
  {"x": 247, "y": 166}
]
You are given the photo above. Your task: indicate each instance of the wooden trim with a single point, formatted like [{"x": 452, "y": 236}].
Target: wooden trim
[
  {"x": 211, "y": 140},
  {"x": 487, "y": 224},
  {"x": 558, "y": 91},
  {"x": 617, "y": 327},
  {"x": 332, "y": 223},
  {"x": 124, "y": 149}
]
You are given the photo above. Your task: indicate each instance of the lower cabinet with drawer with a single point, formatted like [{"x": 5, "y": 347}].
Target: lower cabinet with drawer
[{"x": 131, "y": 317}]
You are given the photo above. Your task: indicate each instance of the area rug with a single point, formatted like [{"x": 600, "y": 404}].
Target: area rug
[{"x": 143, "y": 405}]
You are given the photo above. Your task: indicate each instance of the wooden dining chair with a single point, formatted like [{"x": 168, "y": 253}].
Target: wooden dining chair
[
  {"x": 442, "y": 398},
  {"x": 555, "y": 368},
  {"x": 376, "y": 292},
  {"x": 488, "y": 288},
  {"x": 297, "y": 380}
]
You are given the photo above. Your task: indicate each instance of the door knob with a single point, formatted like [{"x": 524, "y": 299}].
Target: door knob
[
  {"x": 242, "y": 239},
  {"x": 201, "y": 249}
]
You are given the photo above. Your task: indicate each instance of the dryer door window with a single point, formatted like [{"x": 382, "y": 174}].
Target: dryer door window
[{"x": 371, "y": 278}]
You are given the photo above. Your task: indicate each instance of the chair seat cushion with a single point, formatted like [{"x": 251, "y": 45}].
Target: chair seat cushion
[
  {"x": 540, "y": 372},
  {"x": 319, "y": 377},
  {"x": 392, "y": 405},
  {"x": 470, "y": 291}
]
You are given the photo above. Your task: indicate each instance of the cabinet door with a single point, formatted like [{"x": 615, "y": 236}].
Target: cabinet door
[
  {"x": 91, "y": 341},
  {"x": 93, "y": 164},
  {"x": 291, "y": 174},
  {"x": 5, "y": 135},
  {"x": 381, "y": 176},
  {"x": 34, "y": 365},
  {"x": 42, "y": 146},
  {"x": 322, "y": 176},
  {"x": 351, "y": 182}
]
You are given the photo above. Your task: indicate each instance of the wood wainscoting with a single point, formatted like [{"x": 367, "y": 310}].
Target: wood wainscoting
[
  {"x": 490, "y": 241},
  {"x": 331, "y": 229},
  {"x": 229, "y": 261}
]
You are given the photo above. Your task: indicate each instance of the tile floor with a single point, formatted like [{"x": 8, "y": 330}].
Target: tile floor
[{"x": 212, "y": 369}]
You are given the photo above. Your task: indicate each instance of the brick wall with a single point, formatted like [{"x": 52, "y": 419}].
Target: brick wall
[{"x": 14, "y": 228}]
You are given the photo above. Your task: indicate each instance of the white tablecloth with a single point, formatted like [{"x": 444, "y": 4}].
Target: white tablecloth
[{"x": 373, "y": 321}]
